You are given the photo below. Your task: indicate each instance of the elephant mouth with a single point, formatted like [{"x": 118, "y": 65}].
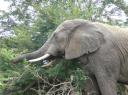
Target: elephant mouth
[
  {"x": 48, "y": 62},
  {"x": 48, "y": 59}
]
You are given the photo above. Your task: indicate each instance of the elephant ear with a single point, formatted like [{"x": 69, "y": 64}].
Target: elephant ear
[{"x": 83, "y": 41}]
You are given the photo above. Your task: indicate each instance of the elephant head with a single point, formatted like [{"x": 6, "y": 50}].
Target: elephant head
[{"x": 71, "y": 39}]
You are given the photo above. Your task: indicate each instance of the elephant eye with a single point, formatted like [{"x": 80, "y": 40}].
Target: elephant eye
[{"x": 55, "y": 36}]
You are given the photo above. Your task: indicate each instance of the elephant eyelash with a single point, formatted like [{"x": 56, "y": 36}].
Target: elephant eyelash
[{"x": 55, "y": 36}]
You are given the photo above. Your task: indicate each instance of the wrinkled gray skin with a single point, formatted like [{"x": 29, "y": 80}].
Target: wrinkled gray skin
[{"x": 102, "y": 48}]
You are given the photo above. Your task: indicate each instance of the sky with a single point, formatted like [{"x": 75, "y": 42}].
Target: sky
[
  {"x": 4, "y": 5},
  {"x": 126, "y": 1}
]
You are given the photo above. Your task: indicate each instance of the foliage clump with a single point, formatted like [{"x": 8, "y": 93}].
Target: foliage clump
[{"x": 64, "y": 77}]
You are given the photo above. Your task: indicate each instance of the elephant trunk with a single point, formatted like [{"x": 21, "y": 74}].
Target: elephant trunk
[{"x": 38, "y": 53}]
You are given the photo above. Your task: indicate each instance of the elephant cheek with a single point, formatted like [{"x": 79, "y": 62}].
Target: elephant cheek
[{"x": 52, "y": 50}]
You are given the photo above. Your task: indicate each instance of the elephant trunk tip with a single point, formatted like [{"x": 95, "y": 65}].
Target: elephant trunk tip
[{"x": 18, "y": 59}]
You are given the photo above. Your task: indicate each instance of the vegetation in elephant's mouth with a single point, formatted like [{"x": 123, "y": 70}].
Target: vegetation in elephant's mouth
[{"x": 48, "y": 60}]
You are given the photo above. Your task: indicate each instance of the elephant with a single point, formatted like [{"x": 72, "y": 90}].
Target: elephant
[{"x": 102, "y": 48}]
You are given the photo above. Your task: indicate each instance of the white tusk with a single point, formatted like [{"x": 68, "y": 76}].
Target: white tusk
[{"x": 40, "y": 58}]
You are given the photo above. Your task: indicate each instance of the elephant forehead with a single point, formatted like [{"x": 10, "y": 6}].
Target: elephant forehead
[
  {"x": 69, "y": 24},
  {"x": 63, "y": 27}
]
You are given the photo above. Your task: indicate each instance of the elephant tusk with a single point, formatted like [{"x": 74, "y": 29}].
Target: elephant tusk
[{"x": 40, "y": 58}]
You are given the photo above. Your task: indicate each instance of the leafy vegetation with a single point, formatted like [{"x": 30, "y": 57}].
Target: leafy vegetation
[{"x": 63, "y": 77}]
